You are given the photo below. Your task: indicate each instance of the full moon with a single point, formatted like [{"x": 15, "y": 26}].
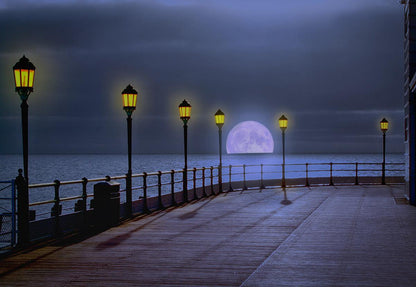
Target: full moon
[{"x": 250, "y": 137}]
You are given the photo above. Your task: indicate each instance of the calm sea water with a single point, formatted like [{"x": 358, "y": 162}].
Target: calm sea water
[{"x": 47, "y": 168}]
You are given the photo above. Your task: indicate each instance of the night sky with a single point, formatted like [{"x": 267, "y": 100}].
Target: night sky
[{"x": 334, "y": 68}]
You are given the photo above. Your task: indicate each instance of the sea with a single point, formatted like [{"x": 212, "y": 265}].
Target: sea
[{"x": 46, "y": 168}]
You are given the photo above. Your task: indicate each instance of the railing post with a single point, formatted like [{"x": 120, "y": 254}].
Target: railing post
[
  {"x": 383, "y": 173},
  {"x": 230, "y": 188},
  {"x": 203, "y": 182},
  {"x": 194, "y": 180},
  {"x": 13, "y": 213},
  {"x": 307, "y": 174},
  {"x": 172, "y": 187},
  {"x": 84, "y": 201},
  {"x": 244, "y": 177},
  {"x": 159, "y": 190},
  {"x": 383, "y": 164},
  {"x": 220, "y": 178},
  {"x": 145, "y": 208},
  {"x": 331, "y": 182},
  {"x": 185, "y": 185},
  {"x": 22, "y": 210},
  {"x": 356, "y": 173},
  {"x": 262, "y": 186},
  {"x": 129, "y": 196},
  {"x": 212, "y": 180},
  {"x": 57, "y": 209}
]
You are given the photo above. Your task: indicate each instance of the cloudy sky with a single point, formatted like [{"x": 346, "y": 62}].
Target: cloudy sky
[{"x": 334, "y": 67}]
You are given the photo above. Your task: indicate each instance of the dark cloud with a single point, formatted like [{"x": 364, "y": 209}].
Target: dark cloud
[{"x": 254, "y": 59}]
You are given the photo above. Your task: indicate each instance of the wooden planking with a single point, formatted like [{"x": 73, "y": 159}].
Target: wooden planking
[
  {"x": 358, "y": 237},
  {"x": 329, "y": 236},
  {"x": 214, "y": 242}
]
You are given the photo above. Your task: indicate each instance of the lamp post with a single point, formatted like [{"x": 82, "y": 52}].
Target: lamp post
[
  {"x": 219, "y": 120},
  {"x": 24, "y": 74},
  {"x": 185, "y": 115},
  {"x": 384, "y": 126},
  {"x": 283, "y": 127},
  {"x": 129, "y": 105}
]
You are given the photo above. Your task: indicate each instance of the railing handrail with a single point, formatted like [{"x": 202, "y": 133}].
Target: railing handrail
[
  {"x": 50, "y": 184},
  {"x": 234, "y": 170},
  {"x": 204, "y": 182}
]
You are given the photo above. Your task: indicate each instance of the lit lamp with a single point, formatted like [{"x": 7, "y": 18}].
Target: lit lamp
[
  {"x": 129, "y": 99},
  {"x": 384, "y": 126},
  {"x": 129, "y": 105},
  {"x": 185, "y": 111},
  {"x": 283, "y": 123},
  {"x": 283, "y": 127},
  {"x": 219, "y": 120},
  {"x": 185, "y": 115},
  {"x": 24, "y": 74}
]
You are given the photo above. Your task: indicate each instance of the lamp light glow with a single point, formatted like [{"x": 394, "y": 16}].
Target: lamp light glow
[
  {"x": 219, "y": 118},
  {"x": 384, "y": 125},
  {"x": 129, "y": 99},
  {"x": 185, "y": 111},
  {"x": 283, "y": 122}
]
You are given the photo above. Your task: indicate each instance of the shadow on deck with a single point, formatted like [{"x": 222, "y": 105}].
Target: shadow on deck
[{"x": 328, "y": 236}]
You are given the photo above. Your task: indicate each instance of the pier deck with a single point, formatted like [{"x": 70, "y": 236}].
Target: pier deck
[{"x": 328, "y": 236}]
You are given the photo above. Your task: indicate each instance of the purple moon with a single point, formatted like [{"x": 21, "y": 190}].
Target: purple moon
[{"x": 249, "y": 137}]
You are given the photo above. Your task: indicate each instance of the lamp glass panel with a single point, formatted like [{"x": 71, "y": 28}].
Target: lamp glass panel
[
  {"x": 384, "y": 125},
  {"x": 24, "y": 77},
  {"x": 219, "y": 119},
  {"x": 17, "y": 78},
  {"x": 283, "y": 123},
  {"x": 134, "y": 100},
  {"x": 129, "y": 100},
  {"x": 185, "y": 112},
  {"x": 125, "y": 100},
  {"x": 31, "y": 78}
]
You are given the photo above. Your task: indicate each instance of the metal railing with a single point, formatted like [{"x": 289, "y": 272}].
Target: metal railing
[
  {"x": 65, "y": 206},
  {"x": 145, "y": 185},
  {"x": 7, "y": 214},
  {"x": 202, "y": 182},
  {"x": 313, "y": 173}
]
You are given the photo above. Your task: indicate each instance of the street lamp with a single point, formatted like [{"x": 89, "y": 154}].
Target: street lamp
[
  {"x": 129, "y": 105},
  {"x": 384, "y": 126},
  {"x": 219, "y": 120},
  {"x": 283, "y": 127},
  {"x": 24, "y": 74},
  {"x": 185, "y": 115}
]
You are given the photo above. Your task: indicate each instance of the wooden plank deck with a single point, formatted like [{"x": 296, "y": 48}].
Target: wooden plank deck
[{"x": 240, "y": 237}]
